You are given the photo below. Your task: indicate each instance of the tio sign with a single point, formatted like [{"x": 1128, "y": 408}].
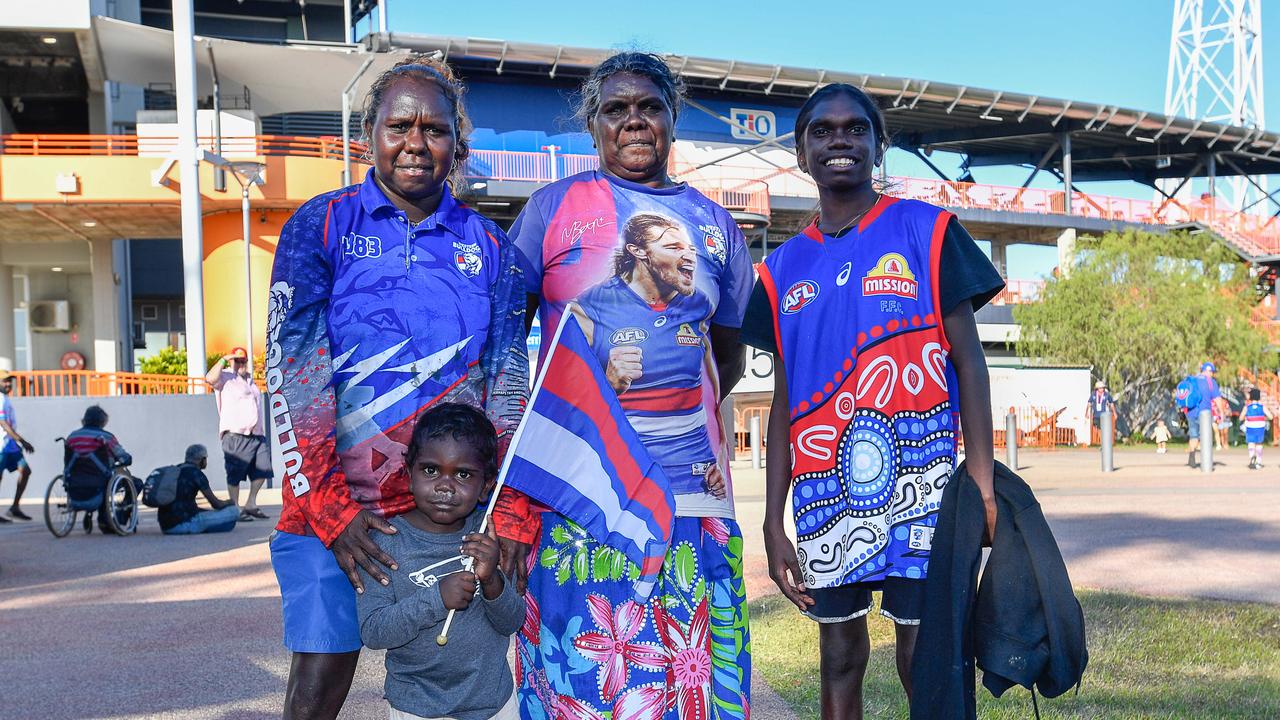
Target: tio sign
[{"x": 749, "y": 124}]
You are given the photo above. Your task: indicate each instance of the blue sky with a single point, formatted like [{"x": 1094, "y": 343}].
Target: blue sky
[{"x": 1104, "y": 51}]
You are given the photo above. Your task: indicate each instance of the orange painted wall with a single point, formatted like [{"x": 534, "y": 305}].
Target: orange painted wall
[{"x": 224, "y": 282}]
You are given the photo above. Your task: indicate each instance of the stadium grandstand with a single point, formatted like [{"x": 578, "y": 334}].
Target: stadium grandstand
[{"x": 89, "y": 203}]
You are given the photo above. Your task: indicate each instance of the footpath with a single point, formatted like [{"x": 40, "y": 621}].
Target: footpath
[{"x": 189, "y": 627}]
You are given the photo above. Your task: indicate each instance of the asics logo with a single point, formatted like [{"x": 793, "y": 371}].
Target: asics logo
[
  {"x": 361, "y": 246},
  {"x": 843, "y": 277}
]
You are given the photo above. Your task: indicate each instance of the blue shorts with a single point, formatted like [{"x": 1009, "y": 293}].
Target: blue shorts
[
  {"x": 11, "y": 461},
  {"x": 1255, "y": 436},
  {"x": 1193, "y": 424},
  {"x": 319, "y": 602}
]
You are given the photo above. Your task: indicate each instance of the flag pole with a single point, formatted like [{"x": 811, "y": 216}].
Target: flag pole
[{"x": 467, "y": 564}]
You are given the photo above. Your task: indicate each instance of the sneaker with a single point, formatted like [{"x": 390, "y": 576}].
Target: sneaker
[
  {"x": 17, "y": 514},
  {"x": 4, "y": 520},
  {"x": 88, "y": 523}
]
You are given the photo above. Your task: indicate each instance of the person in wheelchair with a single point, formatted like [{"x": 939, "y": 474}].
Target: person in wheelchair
[{"x": 89, "y": 454}]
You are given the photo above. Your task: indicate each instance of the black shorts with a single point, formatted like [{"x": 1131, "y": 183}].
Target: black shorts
[
  {"x": 247, "y": 457},
  {"x": 901, "y": 600}
]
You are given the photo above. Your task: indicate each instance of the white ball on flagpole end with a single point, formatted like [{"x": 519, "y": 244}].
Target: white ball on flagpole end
[{"x": 442, "y": 639}]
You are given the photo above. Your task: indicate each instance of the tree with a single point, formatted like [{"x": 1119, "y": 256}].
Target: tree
[{"x": 1144, "y": 310}]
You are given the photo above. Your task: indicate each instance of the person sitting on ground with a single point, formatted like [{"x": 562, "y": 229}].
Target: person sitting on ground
[
  {"x": 1161, "y": 436},
  {"x": 88, "y": 455},
  {"x": 453, "y": 461},
  {"x": 183, "y": 516}
]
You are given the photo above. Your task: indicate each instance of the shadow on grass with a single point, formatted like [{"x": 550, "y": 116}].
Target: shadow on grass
[{"x": 1148, "y": 659}]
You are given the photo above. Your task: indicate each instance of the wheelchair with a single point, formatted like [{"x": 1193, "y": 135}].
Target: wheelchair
[{"x": 123, "y": 495}]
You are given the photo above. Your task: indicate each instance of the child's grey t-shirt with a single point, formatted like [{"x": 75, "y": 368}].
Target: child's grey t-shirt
[{"x": 468, "y": 678}]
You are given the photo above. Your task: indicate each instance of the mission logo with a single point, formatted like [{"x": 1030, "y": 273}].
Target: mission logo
[{"x": 891, "y": 276}]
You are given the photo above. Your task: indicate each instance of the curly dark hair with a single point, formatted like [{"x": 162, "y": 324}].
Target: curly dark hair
[
  {"x": 430, "y": 68},
  {"x": 461, "y": 422},
  {"x": 647, "y": 65}
]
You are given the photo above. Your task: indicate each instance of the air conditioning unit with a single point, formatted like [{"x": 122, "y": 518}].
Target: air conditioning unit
[{"x": 50, "y": 316}]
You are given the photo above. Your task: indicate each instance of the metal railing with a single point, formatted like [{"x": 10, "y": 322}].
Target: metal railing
[
  {"x": 740, "y": 187},
  {"x": 329, "y": 148},
  {"x": 88, "y": 383}
]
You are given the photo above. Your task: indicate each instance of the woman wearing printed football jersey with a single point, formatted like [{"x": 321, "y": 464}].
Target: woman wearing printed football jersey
[
  {"x": 387, "y": 297},
  {"x": 870, "y": 316},
  {"x": 659, "y": 276}
]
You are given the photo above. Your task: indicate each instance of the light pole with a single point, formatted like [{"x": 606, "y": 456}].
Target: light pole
[{"x": 248, "y": 173}]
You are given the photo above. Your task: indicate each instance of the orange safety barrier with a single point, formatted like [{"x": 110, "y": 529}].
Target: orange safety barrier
[
  {"x": 742, "y": 427},
  {"x": 1037, "y": 428},
  {"x": 88, "y": 383},
  {"x": 130, "y": 145},
  {"x": 738, "y": 187}
]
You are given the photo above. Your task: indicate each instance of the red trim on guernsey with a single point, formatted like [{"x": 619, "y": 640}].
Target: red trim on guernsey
[
  {"x": 329, "y": 213},
  {"x": 935, "y": 261},
  {"x": 671, "y": 399},
  {"x": 771, "y": 290},
  {"x": 566, "y": 383},
  {"x": 882, "y": 203},
  {"x": 813, "y": 233},
  {"x": 494, "y": 239}
]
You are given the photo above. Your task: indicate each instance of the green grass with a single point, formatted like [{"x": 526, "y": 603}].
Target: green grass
[{"x": 1148, "y": 658}]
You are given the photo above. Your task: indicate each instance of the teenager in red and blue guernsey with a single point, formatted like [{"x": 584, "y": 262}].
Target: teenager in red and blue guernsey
[
  {"x": 870, "y": 316},
  {"x": 659, "y": 276},
  {"x": 387, "y": 297}
]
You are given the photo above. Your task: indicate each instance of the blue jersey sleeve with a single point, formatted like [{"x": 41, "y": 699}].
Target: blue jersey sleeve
[
  {"x": 300, "y": 374},
  {"x": 527, "y": 233},
  {"x": 735, "y": 282},
  {"x": 506, "y": 356}
]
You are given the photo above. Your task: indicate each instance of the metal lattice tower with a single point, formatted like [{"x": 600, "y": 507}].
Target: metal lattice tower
[{"x": 1215, "y": 69}]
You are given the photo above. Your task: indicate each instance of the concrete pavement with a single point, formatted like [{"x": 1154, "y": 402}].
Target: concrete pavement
[{"x": 156, "y": 627}]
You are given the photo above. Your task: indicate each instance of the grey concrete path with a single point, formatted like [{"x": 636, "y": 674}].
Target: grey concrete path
[{"x": 188, "y": 627}]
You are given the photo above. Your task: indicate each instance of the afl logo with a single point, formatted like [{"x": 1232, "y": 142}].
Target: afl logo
[
  {"x": 799, "y": 296},
  {"x": 891, "y": 276},
  {"x": 629, "y": 336}
]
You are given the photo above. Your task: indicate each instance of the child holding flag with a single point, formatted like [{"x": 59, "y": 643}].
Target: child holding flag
[
  {"x": 869, "y": 314},
  {"x": 452, "y": 462}
]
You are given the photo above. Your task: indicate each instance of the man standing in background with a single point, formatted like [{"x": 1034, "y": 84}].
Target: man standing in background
[
  {"x": 11, "y": 455},
  {"x": 244, "y": 443}
]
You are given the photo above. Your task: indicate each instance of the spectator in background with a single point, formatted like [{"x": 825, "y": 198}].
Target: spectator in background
[
  {"x": 244, "y": 442},
  {"x": 1221, "y": 422},
  {"x": 183, "y": 516},
  {"x": 1100, "y": 403},
  {"x": 11, "y": 455},
  {"x": 1161, "y": 436},
  {"x": 1208, "y": 395},
  {"x": 87, "y": 457}
]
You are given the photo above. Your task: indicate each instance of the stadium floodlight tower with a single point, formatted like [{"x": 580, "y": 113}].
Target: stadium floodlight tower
[{"x": 1215, "y": 73}]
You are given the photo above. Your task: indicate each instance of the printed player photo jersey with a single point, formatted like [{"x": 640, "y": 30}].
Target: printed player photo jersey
[
  {"x": 371, "y": 320},
  {"x": 689, "y": 254},
  {"x": 871, "y": 388}
]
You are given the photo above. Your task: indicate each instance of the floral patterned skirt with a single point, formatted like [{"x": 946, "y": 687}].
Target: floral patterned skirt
[{"x": 588, "y": 652}]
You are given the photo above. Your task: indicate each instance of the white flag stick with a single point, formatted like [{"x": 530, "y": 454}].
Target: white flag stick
[{"x": 467, "y": 564}]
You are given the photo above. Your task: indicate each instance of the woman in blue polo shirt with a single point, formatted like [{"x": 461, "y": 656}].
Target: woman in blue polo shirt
[{"x": 387, "y": 297}]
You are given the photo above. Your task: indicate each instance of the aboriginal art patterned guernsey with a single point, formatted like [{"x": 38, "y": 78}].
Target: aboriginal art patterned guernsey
[
  {"x": 871, "y": 389},
  {"x": 371, "y": 320},
  {"x": 569, "y": 238},
  {"x": 588, "y": 650}
]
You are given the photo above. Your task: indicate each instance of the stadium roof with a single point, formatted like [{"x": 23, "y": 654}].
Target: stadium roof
[{"x": 990, "y": 127}]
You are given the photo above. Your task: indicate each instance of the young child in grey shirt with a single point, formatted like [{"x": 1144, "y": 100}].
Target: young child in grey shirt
[{"x": 452, "y": 465}]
